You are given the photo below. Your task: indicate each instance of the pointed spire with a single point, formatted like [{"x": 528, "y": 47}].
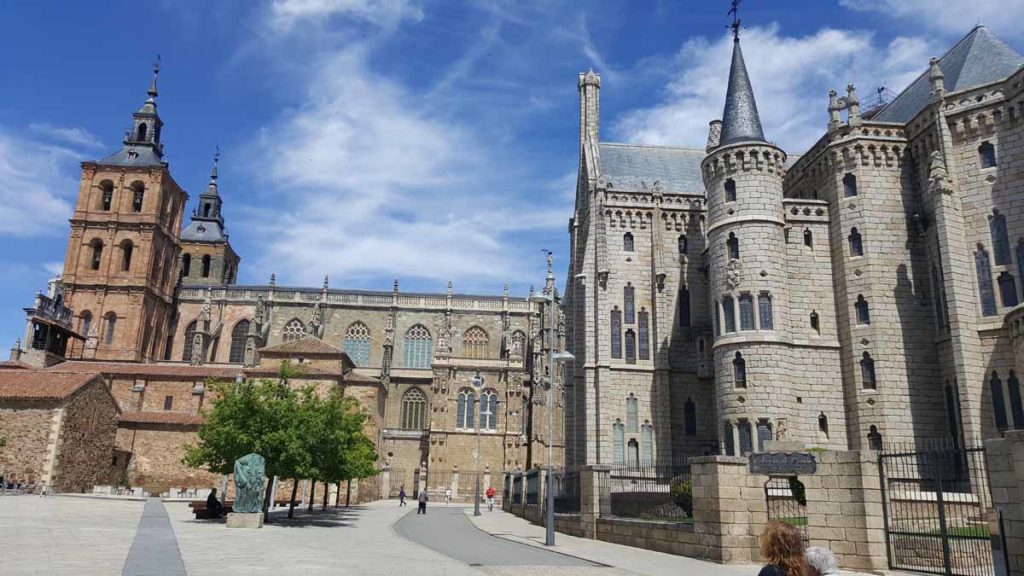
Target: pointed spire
[
  {"x": 740, "y": 121},
  {"x": 211, "y": 188},
  {"x": 549, "y": 281},
  {"x": 152, "y": 85}
]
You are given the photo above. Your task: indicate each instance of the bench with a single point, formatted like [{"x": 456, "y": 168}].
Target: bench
[{"x": 201, "y": 513}]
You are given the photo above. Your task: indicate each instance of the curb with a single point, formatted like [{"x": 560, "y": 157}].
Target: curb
[{"x": 535, "y": 544}]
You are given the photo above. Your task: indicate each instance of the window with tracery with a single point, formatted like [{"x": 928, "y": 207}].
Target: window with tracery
[
  {"x": 465, "y": 407},
  {"x": 236, "y": 353},
  {"x": 414, "y": 410},
  {"x": 293, "y": 330},
  {"x": 474, "y": 343},
  {"x": 643, "y": 327},
  {"x": 746, "y": 312},
  {"x": 489, "y": 410},
  {"x": 764, "y": 311},
  {"x": 190, "y": 335},
  {"x": 418, "y": 347},
  {"x": 357, "y": 343},
  {"x": 630, "y": 346}
]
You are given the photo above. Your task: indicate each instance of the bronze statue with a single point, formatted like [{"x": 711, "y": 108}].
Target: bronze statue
[{"x": 249, "y": 483}]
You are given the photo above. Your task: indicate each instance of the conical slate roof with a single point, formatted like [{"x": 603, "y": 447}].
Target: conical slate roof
[{"x": 740, "y": 121}]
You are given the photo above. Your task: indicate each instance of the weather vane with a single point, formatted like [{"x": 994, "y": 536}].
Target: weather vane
[
  {"x": 156, "y": 65},
  {"x": 735, "y": 13}
]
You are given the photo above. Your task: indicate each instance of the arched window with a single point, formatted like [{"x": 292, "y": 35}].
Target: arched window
[
  {"x": 465, "y": 404},
  {"x": 236, "y": 354},
  {"x": 863, "y": 313},
  {"x": 1000, "y": 238},
  {"x": 206, "y": 210},
  {"x": 489, "y": 410},
  {"x": 746, "y": 312},
  {"x": 998, "y": 401},
  {"x": 632, "y": 414},
  {"x": 619, "y": 441},
  {"x": 729, "y": 440},
  {"x": 689, "y": 418},
  {"x": 730, "y": 190},
  {"x": 630, "y": 346},
  {"x": 808, "y": 238},
  {"x": 684, "y": 307},
  {"x": 849, "y": 185},
  {"x": 97, "y": 254},
  {"x": 952, "y": 414},
  {"x": 474, "y": 343},
  {"x": 186, "y": 264},
  {"x": 867, "y": 372},
  {"x": 627, "y": 241},
  {"x": 628, "y": 294},
  {"x": 645, "y": 336},
  {"x": 190, "y": 334},
  {"x": 138, "y": 195},
  {"x": 739, "y": 371},
  {"x": 856, "y": 245},
  {"x": 519, "y": 342},
  {"x": 126, "y": 255},
  {"x": 746, "y": 437},
  {"x": 646, "y": 445},
  {"x": 682, "y": 244},
  {"x": 730, "y": 314},
  {"x": 936, "y": 298},
  {"x": 764, "y": 311},
  {"x": 418, "y": 347},
  {"x": 1007, "y": 289},
  {"x": 206, "y": 266},
  {"x": 616, "y": 332},
  {"x": 293, "y": 330},
  {"x": 985, "y": 290},
  {"x": 85, "y": 323},
  {"x": 357, "y": 343},
  {"x": 1016, "y": 405},
  {"x": 109, "y": 329},
  {"x": 987, "y": 155},
  {"x": 633, "y": 453},
  {"x": 141, "y": 134},
  {"x": 414, "y": 410},
  {"x": 874, "y": 438},
  {"x": 733, "y": 244},
  {"x": 106, "y": 195},
  {"x": 823, "y": 424},
  {"x": 764, "y": 433},
  {"x": 815, "y": 322}
]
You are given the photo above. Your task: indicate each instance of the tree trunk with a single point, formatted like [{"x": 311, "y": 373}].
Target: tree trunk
[
  {"x": 327, "y": 493},
  {"x": 312, "y": 495},
  {"x": 348, "y": 493},
  {"x": 268, "y": 499},
  {"x": 291, "y": 505}
]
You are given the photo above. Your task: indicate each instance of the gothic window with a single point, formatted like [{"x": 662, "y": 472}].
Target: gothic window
[
  {"x": 627, "y": 241},
  {"x": 863, "y": 313},
  {"x": 849, "y": 185},
  {"x": 86, "y": 323},
  {"x": 645, "y": 337},
  {"x": 1007, "y": 289},
  {"x": 213, "y": 349},
  {"x": 126, "y": 255},
  {"x": 474, "y": 343},
  {"x": 684, "y": 306},
  {"x": 823, "y": 424},
  {"x": 632, "y": 414},
  {"x": 108, "y": 330},
  {"x": 236, "y": 353},
  {"x": 808, "y": 238},
  {"x": 987, "y": 154},
  {"x": 936, "y": 300},
  {"x": 97, "y": 253},
  {"x": 489, "y": 410},
  {"x": 874, "y": 438},
  {"x": 168, "y": 402},
  {"x": 1016, "y": 406},
  {"x": 138, "y": 194},
  {"x": 730, "y": 190},
  {"x": 984, "y": 271},
  {"x": 746, "y": 437},
  {"x": 633, "y": 453},
  {"x": 519, "y": 341},
  {"x": 630, "y": 346},
  {"x": 465, "y": 407},
  {"x": 718, "y": 323},
  {"x": 619, "y": 441},
  {"x": 141, "y": 132},
  {"x": 1000, "y": 239},
  {"x": 815, "y": 322},
  {"x": 856, "y": 245},
  {"x": 190, "y": 335},
  {"x": 746, "y": 312},
  {"x": 730, "y": 314},
  {"x": 867, "y": 372},
  {"x": 952, "y": 420},
  {"x": 106, "y": 195},
  {"x": 764, "y": 311},
  {"x": 418, "y": 347},
  {"x": 689, "y": 418},
  {"x": 357, "y": 343},
  {"x": 682, "y": 244},
  {"x": 293, "y": 330},
  {"x": 414, "y": 410},
  {"x": 186, "y": 264},
  {"x": 616, "y": 333},
  {"x": 739, "y": 371},
  {"x": 628, "y": 294},
  {"x": 764, "y": 434},
  {"x": 730, "y": 440},
  {"x": 733, "y": 244},
  {"x": 647, "y": 445},
  {"x": 206, "y": 266},
  {"x": 998, "y": 402}
]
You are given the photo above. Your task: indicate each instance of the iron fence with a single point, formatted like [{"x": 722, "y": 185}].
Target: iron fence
[
  {"x": 567, "y": 492},
  {"x": 532, "y": 487},
  {"x": 650, "y": 492},
  {"x": 787, "y": 502},
  {"x": 517, "y": 489}
]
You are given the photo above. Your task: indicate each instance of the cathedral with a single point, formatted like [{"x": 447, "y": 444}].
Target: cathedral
[{"x": 864, "y": 292}]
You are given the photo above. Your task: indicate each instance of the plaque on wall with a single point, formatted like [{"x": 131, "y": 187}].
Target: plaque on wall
[{"x": 782, "y": 463}]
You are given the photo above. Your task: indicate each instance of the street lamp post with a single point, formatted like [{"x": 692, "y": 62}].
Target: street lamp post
[{"x": 478, "y": 383}]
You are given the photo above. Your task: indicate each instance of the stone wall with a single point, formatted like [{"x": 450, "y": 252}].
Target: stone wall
[
  {"x": 85, "y": 449},
  {"x": 27, "y": 428},
  {"x": 1005, "y": 459},
  {"x": 156, "y": 452}
]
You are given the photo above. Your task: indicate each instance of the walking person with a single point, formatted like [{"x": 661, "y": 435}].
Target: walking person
[
  {"x": 821, "y": 562},
  {"x": 401, "y": 496},
  {"x": 447, "y": 496},
  {"x": 490, "y": 498},
  {"x": 423, "y": 502},
  {"x": 783, "y": 549}
]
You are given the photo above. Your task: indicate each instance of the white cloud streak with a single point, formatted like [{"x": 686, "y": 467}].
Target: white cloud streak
[
  {"x": 69, "y": 135},
  {"x": 284, "y": 14},
  {"x": 33, "y": 197},
  {"x": 950, "y": 16}
]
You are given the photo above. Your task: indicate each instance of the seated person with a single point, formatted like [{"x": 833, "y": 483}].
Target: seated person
[
  {"x": 821, "y": 562},
  {"x": 214, "y": 505}
]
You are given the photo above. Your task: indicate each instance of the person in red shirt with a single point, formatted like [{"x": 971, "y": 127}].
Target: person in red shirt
[{"x": 490, "y": 498}]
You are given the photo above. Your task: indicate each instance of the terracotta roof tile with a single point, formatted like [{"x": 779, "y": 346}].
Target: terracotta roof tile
[
  {"x": 15, "y": 365},
  {"x": 42, "y": 385},
  {"x": 308, "y": 346},
  {"x": 353, "y": 378},
  {"x": 141, "y": 369},
  {"x": 162, "y": 418}
]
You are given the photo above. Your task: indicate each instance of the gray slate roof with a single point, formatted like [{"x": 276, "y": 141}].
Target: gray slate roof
[
  {"x": 626, "y": 165},
  {"x": 203, "y": 231},
  {"x": 146, "y": 157},
  {"x": 979, "y": 58},
  {"x": 740, "y": 121}
]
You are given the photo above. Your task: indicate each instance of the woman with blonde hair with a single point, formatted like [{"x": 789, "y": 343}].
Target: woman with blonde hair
[{"x": 783, "y": 549}]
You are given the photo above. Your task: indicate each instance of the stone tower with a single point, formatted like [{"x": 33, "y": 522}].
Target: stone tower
[
  {"x": 207, "y": 256},
  {"x": 120, "y": 266}
]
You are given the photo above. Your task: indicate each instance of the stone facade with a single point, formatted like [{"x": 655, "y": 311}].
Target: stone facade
[{"x": 1005, "y": 457}]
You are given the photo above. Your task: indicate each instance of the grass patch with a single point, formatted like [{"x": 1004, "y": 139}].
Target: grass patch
[
  {"x": 969, "y": 531},
  {"x": 797, "y": 521}
]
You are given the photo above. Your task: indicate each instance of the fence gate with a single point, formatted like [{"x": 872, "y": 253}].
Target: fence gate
[
  {"x": 935, "y": 503},
  {"x": 787, "y": 502}
]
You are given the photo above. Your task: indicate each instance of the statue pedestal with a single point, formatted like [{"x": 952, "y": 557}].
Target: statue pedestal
[{"x": 245, "y": 520}]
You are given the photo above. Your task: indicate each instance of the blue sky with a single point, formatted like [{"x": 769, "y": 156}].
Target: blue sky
[{"x": 412, "y": 139}]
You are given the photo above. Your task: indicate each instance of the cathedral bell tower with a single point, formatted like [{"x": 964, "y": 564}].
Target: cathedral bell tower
[
  {"x": 207, "y": 257},
  {"x": 120, "y": 265}
]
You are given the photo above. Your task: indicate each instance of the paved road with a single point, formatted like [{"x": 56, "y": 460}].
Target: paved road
[
  {"x": 155, "y": 548},
  {"x": 446, "y": 530}
]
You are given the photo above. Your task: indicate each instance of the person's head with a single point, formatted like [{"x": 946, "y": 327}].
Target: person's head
[
  {"x": 213, "y": 491},
  {"x": 821, "y": 561},
  {"x": 782, "y": 546}
]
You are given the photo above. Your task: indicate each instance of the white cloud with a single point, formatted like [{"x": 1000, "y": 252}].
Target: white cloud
[
  {"x": 35, "y": 186},
  {"x": 791, "y": 79},
  {"x": 53, "y": 268},
  {"x": 383, "y": 13},
  {"x": 950, "y": 16},
  {"x": 73, "y": 136}
]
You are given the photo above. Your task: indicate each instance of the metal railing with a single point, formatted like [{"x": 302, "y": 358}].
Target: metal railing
[
  {"x": 662, "y": 493},
  {"x": 567, "y": 492}
]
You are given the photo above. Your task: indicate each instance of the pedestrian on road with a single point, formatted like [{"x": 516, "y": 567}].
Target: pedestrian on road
[
  {"x": 821, "y": 561},
  {"x": 490, "y": 498},
  {"x": 401, "y": 496},
  {"x": 447, "y": 496},
  {"x": 423, "y": 502},
  {"x": 783, "y": 549}
]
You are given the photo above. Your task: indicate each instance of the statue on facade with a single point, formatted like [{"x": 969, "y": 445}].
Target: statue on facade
[
  {"x": 249, "y": 484},
  {"x": 316, "y": 321},
  {"x": 257, "y": 316},
  {"x": 937, "y": 172}
]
